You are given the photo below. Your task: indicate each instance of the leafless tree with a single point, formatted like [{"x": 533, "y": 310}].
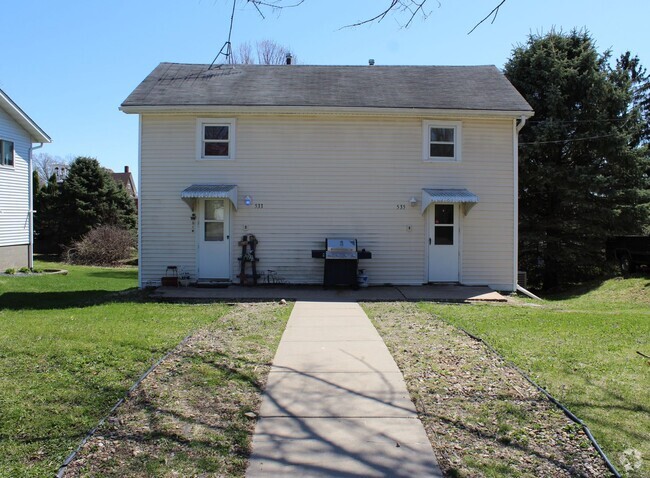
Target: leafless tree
[
  {"x": 244, "y": 54},
  {"x": 268, "y": 52},
  {"x": 44, "y": 164}
]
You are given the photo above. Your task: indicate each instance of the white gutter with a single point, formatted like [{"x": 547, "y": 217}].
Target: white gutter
[
  {"x": 517, "y": 125},
  {"x": 307, "y": 110},
  {"x": 522, "y": 123},
  {"x": 30, "y": 246}
]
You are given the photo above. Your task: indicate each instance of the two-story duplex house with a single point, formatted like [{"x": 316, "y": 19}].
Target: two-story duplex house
[
  {"x": 18, "y": 132},
  {"x": 418, "y": 163}
]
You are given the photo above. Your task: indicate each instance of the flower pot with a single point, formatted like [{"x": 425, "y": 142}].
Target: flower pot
[{"x": 169, "y": 281}]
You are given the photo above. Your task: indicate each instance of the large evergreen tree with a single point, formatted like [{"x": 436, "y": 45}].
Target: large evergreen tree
[
  {"x": 47, "y": 217},
  {"x": 583, "y": 156},
  {"x": 89, "y": 197}
]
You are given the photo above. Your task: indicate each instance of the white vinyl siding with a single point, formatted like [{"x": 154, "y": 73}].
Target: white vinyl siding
[
  {"x": 334, "y": 176},
  {"x": 14, "y": 185}
]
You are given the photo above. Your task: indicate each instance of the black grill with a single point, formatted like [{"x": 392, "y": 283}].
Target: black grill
[{"x": 341, "y": 262}]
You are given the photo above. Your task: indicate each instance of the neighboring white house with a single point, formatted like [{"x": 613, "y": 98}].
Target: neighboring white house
[
  {"x": 418, "y": 163},
  {"x": 17, "y": 134}
]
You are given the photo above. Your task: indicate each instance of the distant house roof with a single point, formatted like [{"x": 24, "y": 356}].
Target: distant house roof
[
  {"x": 28, "y": 124},
  {"x": 126, "y": 179},
  {"x": 179, "y": 85}
]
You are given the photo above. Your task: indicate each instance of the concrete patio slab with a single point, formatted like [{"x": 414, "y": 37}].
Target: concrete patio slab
[
  {"x": 438, "y": 293},
  {"x": 335, "y": 403},
  {"x": 451, "y": 293}
]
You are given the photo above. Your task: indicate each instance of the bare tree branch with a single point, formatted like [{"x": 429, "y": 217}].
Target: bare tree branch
[
  {"x": 379, "y": 17},
  {"x": 494, "y": 11},
  {"x": 276, "y": 5},
  {"x": 243, "y": 55}
]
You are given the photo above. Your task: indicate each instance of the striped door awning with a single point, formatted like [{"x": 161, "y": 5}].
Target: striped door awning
[
  {"x": 448, "y": 196},
  {"x": 210, "y": 191}
]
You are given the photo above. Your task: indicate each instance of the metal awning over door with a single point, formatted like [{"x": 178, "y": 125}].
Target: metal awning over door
[
  {"x": 464, "y": 197},
  {"x": 210, "y": 191}
]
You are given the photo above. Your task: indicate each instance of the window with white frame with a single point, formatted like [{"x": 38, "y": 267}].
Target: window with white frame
[
  {"x": 215, "y": 138},
  {"x": 6, "y": 153},
  {"x": 441, "y": 140}
]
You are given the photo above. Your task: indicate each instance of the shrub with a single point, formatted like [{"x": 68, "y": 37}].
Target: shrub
[
  {"x": 11, "y": 270},
  {"x": 24, "y": 270},
  {"x": 104, "y": 245}
]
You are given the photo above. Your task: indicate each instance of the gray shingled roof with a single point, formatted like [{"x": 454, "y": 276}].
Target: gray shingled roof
[{"x": 430, "y": 87}]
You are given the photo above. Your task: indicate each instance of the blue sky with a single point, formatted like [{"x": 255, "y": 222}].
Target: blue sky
[{"x": 69, "y": 64}]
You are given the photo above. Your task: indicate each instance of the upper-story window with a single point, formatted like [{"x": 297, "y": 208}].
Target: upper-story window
[
  {"x": 216, "y": 138},
  {"x": 441, "y": 140},
  {"x": 6, "y": 153}
]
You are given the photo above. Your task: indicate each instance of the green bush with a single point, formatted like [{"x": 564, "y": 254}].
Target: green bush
[{"x": 11, "y": 270}]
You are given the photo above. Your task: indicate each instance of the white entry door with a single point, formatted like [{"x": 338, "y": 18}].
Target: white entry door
[
  {"x": 443, "y": 242},
  {"x": 214, "y": 239}
]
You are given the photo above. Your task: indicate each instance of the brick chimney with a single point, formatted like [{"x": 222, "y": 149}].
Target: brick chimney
[{"x": 126, "y": 169}]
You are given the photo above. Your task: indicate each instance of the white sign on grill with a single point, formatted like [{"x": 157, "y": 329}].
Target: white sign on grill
[{"x": 341, "y": 249}]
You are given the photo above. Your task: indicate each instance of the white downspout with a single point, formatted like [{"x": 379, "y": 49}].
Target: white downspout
[
  {"x": 517, "y": 126},
  {"x": 140, "y": 283},
  {"x": 30, "y": 246}
]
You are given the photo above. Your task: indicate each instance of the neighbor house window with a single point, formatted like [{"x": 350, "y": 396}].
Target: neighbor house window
[
  {"x": 6, "y": 153},
  {"x": 216, "y": 138},
  {"x": 441, "y": 141}
]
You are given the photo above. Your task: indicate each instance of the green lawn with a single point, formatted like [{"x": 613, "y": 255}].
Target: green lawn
[
  {"x": 70, "y": 346},
  {"x": 581, "y": 346}
]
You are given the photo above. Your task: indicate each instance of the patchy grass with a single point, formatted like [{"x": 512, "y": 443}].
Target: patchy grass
[
  {"x": 70, "y": 346},
  {"x": 481, "y": 416},
  {"x": 582, "y": 346},
  {"x": 188, "y": 418}
]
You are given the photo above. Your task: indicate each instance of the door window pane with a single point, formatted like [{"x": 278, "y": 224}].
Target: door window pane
[
  {"x": 444, "y": 214},
  {"x": 444, "y": 235},
  {"x": 214, "y": 231},
  {"x": 214, "y": 210}
]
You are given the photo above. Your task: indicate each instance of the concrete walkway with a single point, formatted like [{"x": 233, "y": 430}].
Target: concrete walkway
[{"x": 336, "y": 404}]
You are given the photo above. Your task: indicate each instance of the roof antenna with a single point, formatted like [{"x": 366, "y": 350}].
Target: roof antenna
[{"x": 226, "y": 49}]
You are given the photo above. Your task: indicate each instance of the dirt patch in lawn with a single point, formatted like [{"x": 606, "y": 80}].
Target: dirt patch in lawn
[
  {"x": 482, "y": 417},
  {"x": 189, "y": 416}
]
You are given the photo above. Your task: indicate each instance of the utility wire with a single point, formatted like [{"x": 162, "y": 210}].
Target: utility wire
[
  {"x": 609, "y": 120},
  {"x": 568, "y": 140}
]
